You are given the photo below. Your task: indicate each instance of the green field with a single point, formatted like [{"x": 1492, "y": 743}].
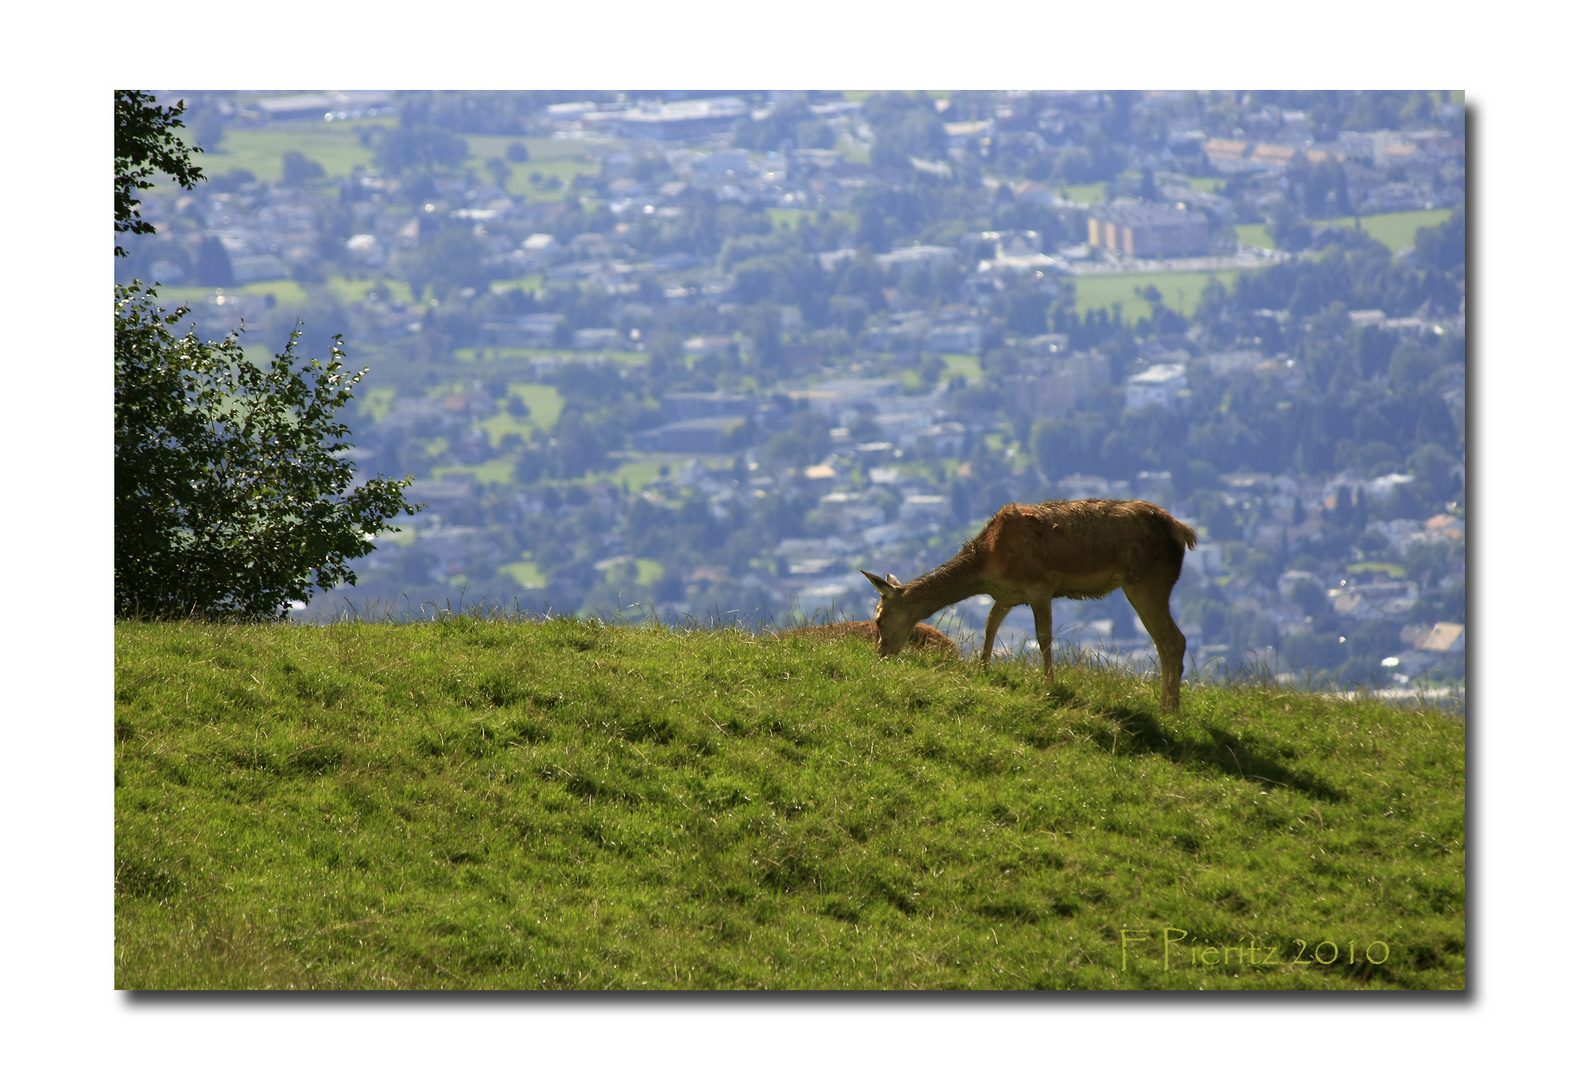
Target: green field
[
  {"x": 293, "y": 293},
  {"x": 543, "y": 403},
  {"x": 854, "y": 152},
  {"x": 285, "y": 291},
  {"x": 1395, "y": 230},
  {"x": 560, "y": 159},
  {"x": 1095, "y": 193},
  {"x": 475, "y": 803},
  {"x": 961, "y": 365},
  {"x": 336, "y": 146},
  {"x": 1181, "y": 291},
  {"x": 526, "y": 573},
  {"x": 529, "y": 284},
  {"x": 376, "y": 403},
  {"x": 1084, "y": 193},
  {"x": 1255, "y": 236},
  {"x": 260, "y": 150},
  {"x": 399, "y": 535},
  {"x": 498, "y": 471},
  {"x": 647, "y": 572},
  {"x": 639, "y": 473},
  {"x": 791, "y": 217},
  {"x": 355, "y": 290},
  {"x": 1393, "y": 570}
]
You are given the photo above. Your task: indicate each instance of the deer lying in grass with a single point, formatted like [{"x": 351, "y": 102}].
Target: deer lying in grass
[
  {"x": 1030, "y": 554},
  {"x": 922, "y": 636}
]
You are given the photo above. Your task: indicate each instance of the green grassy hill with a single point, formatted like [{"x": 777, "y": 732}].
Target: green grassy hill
[{"x": 481, "y": 803}]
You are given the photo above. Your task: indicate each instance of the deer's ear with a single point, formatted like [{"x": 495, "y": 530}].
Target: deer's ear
[
  {"x": 883, "y": 587},
  {"x": 894, "y": 581}
]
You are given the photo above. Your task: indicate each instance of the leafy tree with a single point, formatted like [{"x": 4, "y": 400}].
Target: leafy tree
[
  {"x": 297, "y": 168},
  {"x": 1433, "y": 468},
  {"x": 232, "y": 485},
  {"x": 1024, "y": 308},
  {"x": 763, "y": 324},
  {"x": 904, "y": 127},
  {"x": 1149, "y": 186},
  {"x": 208, "y": 125},
  {"x": 213, "y": 264},
  {"x": 146, "y": 143},
  {"x": 423, "y": 146},
  {"x": 499, "y": 170},
  {"x": 454, "y": 258},
  {"x": 1442, "y": 247},
  {"x": 1286, "y": 228},
  {"x": 805, "y": 443},
  {"x": 781, "y": 125},
  {"x": 1327, "y": 190}
]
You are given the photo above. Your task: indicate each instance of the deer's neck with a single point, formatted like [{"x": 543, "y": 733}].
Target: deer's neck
[{"x": 954, "y": 581}]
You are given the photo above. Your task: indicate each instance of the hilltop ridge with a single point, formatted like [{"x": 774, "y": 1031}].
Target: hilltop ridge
[{"x": 474, "y": 803}]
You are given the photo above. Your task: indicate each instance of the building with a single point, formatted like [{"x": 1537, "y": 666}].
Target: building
[
  {"x": 842, "y": 400},
  {"x": 1160, "y": 384},
  {"x": 694, "y": 405},
  {"x": 920, "y": 511},
  {"x": 691, "y": 119},
  {"x": 954, "y": 337},
  {"x": 530, "y": 331},
  {"x": 1377, "y": 600},
  {"x": 602, "y": 337},
  {"x": 926, "y": 255},
  {"x": 1443, "y": 637},
  {"x": 1149, "y": 230},
  {"x": 1226, "y": 155},
  {"x": 704, "y": 435},
  {"x": 720, "y": 344},
  {"x": 1052, "y": 384},
  {"x": 335, "y": 104},
  {"x": 1273, "y": 156}
]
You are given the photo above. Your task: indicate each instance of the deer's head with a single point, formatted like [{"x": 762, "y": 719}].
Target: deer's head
[{"x": 895, "y": 620}]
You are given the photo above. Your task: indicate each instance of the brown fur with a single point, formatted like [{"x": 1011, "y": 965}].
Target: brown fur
[
  {"x": 922, "y": 636},
  {"x": 1031, "y": 554}
]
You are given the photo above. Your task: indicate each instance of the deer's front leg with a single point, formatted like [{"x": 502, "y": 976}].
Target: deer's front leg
[{"x": 996, "y": 616}]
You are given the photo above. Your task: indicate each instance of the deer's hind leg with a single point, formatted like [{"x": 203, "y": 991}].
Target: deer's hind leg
[
  {"x": 1151, "y": 601},
  {"x": 1042, "y": 613}
]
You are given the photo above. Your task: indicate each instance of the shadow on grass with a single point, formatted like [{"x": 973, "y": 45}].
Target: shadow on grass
[
  {"x": 1233, "y": 755},
  {"x": 1135, "y": 731}
]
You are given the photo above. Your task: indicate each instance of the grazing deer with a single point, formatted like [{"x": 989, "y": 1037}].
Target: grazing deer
[
  {"x": 922, "y": 636},
  {"x": 1030, "y": 554}
]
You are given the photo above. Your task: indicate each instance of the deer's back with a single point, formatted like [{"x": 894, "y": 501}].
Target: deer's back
[{"x": 1085, "y": 546}]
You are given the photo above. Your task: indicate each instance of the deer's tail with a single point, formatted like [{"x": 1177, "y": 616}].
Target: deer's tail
[{"x": 1183, "y": 534}]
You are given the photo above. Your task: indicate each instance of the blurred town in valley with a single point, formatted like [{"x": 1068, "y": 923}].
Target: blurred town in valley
[{"x": 705, "y": 355}]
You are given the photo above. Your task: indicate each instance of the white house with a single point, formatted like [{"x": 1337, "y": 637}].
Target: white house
[{"x": 1160, "y": 384}]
